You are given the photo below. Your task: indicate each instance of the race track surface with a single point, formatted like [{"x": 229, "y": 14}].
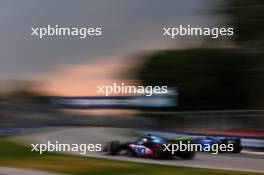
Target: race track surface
[
  {"x": 96, "y": 135},
  {"x": 20, "y": 171}
]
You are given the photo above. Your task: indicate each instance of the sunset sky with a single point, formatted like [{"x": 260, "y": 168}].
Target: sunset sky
[{"x": 73, "y": 66}]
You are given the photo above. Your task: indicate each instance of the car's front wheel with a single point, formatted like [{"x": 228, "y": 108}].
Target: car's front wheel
[
  {"x": 187, "y": 155},
  {"x": 157, "y": 152}
]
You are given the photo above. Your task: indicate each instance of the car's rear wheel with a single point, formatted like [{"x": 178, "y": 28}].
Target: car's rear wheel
[{"x": 114, "y": 147}]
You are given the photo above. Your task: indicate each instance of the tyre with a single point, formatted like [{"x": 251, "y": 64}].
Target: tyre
[
  {"x": 157, "y": 152},
  {"x": 237, "y": 146},
  {"x": 114, "y": 147},
  {"x": 187, "y": 155}
]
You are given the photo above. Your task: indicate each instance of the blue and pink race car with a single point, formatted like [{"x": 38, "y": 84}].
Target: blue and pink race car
[
  {"x": 150, "y": 147},
  {"x": 158, "y": 147}
]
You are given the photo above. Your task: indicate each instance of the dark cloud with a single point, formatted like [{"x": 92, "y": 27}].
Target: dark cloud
[{"x": 127, "y": 26}]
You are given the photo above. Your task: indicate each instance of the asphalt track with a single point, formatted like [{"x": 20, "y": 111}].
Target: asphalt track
[
  {"x": 20, "y": 171},
  {"x": 96, "y": 135}
]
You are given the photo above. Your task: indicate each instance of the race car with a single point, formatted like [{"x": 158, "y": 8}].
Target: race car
[
  {"x": 150, "y": 147},
  {"x": 209, "y": 140}
]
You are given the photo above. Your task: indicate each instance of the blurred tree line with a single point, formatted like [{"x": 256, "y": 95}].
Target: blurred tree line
[
  {"x": 23, "y": 98},
  {"x": 23, "y": 105},
  {"x": 248, "y": 19},
  {"x": 209, "y": 79},
  {"x": 217, "y": 78}
]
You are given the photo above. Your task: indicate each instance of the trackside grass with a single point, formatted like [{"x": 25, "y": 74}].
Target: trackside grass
[{"x": 14, "y": 155}]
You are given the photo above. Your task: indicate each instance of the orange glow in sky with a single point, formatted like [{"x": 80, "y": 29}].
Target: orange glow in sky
[{"x": 83, "y": 79}]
